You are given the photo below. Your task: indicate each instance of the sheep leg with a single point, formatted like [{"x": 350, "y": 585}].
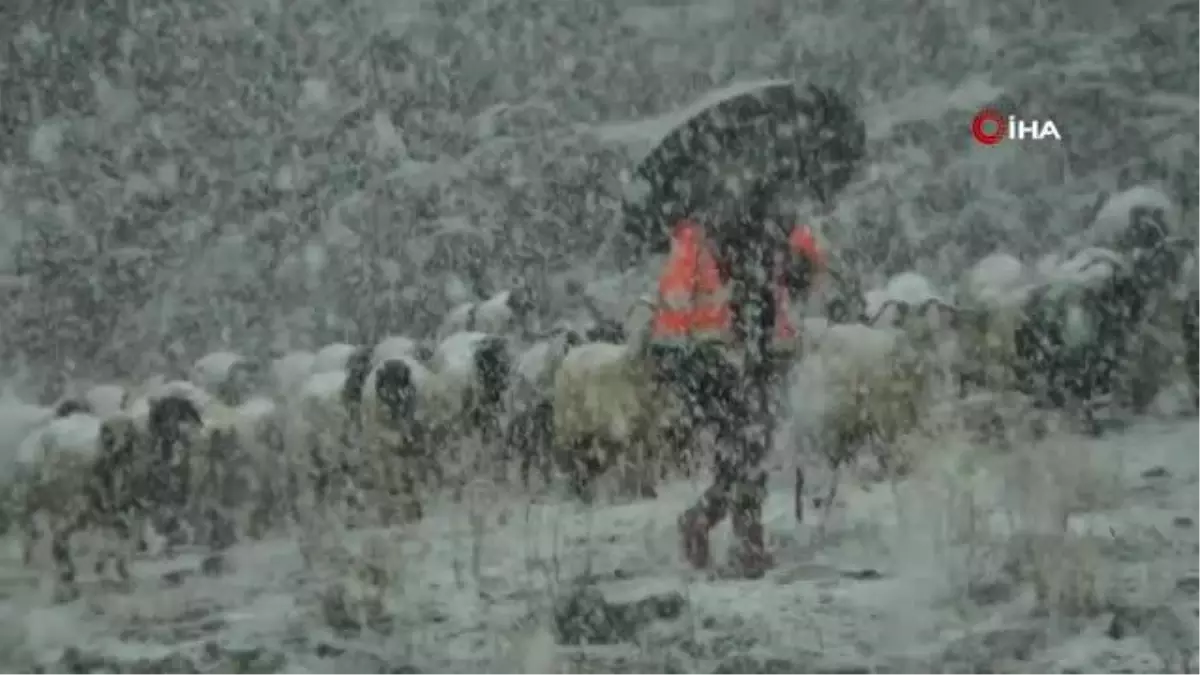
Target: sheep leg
[
  {"x": 637, "y": 473},
  {"x": 826, "y": 504},
  {"x": 798, "y": 495},
  {"x": 584, "y": 468},
  {"x": 60, "y": 553}
]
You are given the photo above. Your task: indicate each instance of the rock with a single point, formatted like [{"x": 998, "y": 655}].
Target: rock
[
  {"x": 745, "y": 663},
  {"x": 253, "y": 660},
  {"x": 867, "y": 574},
  {"x": 658, "y": 607},
  {"x": 847, "y": 668},
  {"x": 363, "y": 663},
  {"x": 980, "y": 652},
  {"x": 1188, "y": 584},
  {"x": 75, "y": 660},
  {"x": 984, "y": 593},
  {"x": 585, "y": 617},
  {"x": 1159, "y": 624},
  {"x": 214, "y": 565},
  {"x": 348, "y": 607},
  {"x": 1156, "y": 472}
]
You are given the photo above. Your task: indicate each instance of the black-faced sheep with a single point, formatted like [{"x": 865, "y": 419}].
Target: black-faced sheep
[
  {"x": 1075, "y": 331},
  {"x": 465, "y": 397},
  {"x": 396, "y": 459},
  {"x": 113, "y": 474}
]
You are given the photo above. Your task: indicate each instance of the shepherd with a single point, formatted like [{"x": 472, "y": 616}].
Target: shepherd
[{"x": 731, "y": 269}]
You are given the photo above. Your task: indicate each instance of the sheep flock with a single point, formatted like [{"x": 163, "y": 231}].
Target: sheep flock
[{"x": 244, "y": 446}]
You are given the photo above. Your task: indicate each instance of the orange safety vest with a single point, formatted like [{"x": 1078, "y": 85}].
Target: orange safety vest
[
  {"x": 693, "y": 301},
  {"x": 801, "y": 242}
]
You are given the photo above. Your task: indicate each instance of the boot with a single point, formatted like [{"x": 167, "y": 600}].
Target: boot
[
  {"x": 750, "y": 557},
  {"x": 694, "y": 527}
]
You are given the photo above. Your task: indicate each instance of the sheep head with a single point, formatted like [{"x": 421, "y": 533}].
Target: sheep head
[{"x": 396, "y": 390}]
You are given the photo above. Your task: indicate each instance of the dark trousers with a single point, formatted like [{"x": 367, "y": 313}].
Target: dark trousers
[{"x": 734, "y": 402}]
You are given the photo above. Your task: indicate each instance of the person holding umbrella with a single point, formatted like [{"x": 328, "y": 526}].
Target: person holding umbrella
[{"x": 729, "y": 272}]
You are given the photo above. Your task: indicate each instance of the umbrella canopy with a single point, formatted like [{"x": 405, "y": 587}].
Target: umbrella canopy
[{"x": 729, "y": 156}]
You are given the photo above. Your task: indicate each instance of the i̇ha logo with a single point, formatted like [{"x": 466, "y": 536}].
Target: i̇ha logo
[{"x": 989, "y": 127}]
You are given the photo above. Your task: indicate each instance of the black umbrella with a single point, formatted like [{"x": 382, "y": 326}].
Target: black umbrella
[{"x": 731, "y": 157}]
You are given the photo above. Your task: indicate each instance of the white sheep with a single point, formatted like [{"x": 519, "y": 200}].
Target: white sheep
[
  {"x": 316, "y": 429},
  {"x": 59, "y": 491},
  {"x": 529, "y": 431},
  {"x": 394, "y": 346},
  {"x": 465, "y": 398},
  {"x": 333, "y": 357},
  {"x": 246, "y": 465},
  {"x": 857, "y": 386},
  {"x": 500, "y": 314},
  {"x": 1139, "y": 217},
  {"x": 106, "y": 400},
  {"x": 157, "y": 388},
  {"x": 991, "y": 303},
  {"x": 606, "y": 408},
  {"x": 912, "y": 304},
  {"x": 291, "y": 369},
  {"x": 227, "y": 376}
]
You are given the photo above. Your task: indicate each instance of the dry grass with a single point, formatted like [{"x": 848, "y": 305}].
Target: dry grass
[{"x": 1006, "y": 521}]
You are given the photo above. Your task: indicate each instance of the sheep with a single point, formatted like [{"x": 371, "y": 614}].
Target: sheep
[
  {"x": 910, "y": 303},
  {"x": 363, "y": 359},
  {"x": 1189, "y": 325},
  {"x": 84, "y": 472},
  {"x": 500, "y": 314},
  {"x": 396, "y": 346},
  {"x": 57, "y": 465},
  {"x": 606, "y": 402},
  {"x": 333, "y": 357},
  {"x": 472, "y": 371},
  {"x": 531, "y": 416},
  {"x": 1075, "y": 330},
  {"x": 18, "y": 420},
  {"x": 395, "y": 432},
  {"x": 290, "y": 370},
  {"x": 991, "y": 304},
  {"x": 466, "y": 395},
  {"x": 316, "y": 429},
  {"x": 857, "y": 385},
  {"x": 1140, "y": 217},
  {"x": 177, "y": 460},
  {"x": 105, "y": 400},
  {"x": 246, "y": 462},
  {"x": 226, "y": 376}
]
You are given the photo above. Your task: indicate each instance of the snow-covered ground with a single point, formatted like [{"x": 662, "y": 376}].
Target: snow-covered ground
[{"x": 1064, "y": 555}]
